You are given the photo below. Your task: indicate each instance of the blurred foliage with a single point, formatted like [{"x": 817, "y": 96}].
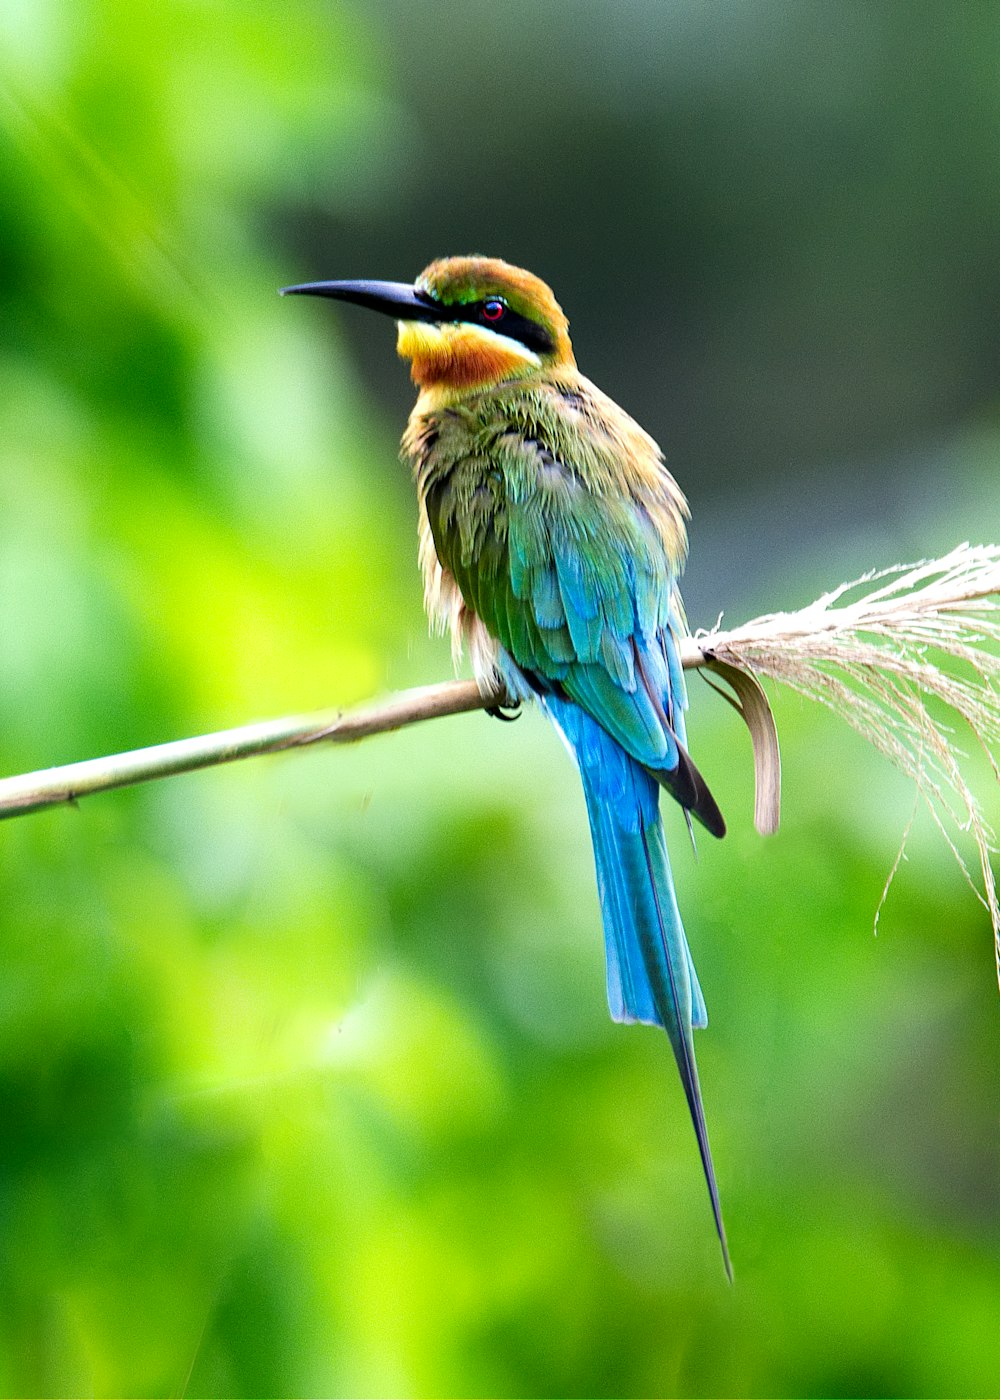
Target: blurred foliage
[{"x": 306, "y": 1081}]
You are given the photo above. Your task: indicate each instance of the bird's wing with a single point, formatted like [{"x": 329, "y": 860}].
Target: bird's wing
[{"x": 581, "y": 592}]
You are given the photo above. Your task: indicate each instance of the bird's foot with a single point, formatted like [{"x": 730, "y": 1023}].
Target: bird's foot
[{"x": 508, "y": 709}]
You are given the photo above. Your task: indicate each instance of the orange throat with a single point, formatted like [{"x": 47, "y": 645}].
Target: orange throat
[{"x": 458, "y": 357}]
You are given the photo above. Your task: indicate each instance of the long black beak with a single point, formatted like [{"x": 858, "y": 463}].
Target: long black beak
[{"x": 398, "y": 299}]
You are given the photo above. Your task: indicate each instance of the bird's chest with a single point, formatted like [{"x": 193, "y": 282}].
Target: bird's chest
[
  {"x": 462, "y": 483},
  {"x": 467, "y": 505}
]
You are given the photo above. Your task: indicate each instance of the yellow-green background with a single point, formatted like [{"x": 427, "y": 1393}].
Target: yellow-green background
[{"x": 307, "y": 1084}]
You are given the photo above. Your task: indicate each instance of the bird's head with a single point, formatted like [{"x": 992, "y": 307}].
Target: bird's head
[{"x": 467, "y": 322}]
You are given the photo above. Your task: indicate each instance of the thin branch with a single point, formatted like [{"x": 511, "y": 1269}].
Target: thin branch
[
  {"x": 886, "y": 660},
  {"x": 52, "y": 787}
]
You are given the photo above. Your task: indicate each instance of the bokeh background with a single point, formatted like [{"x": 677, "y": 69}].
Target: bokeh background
[{"x": 307, "y": 1084}]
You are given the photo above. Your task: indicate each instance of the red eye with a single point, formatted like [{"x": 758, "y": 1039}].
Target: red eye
[{"x": 493, "y": 309}]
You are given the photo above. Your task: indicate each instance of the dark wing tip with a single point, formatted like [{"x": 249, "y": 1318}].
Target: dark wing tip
[{"x": 688, "y": 787}]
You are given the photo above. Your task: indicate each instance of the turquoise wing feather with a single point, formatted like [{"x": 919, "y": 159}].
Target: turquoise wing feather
[{"x": 580, "y": 591}]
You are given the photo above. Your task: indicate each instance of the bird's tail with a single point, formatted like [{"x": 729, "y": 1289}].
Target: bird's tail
[{"x": 651, "y": 977}]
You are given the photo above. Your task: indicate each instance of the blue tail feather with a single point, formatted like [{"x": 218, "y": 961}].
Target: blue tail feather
[{"x": 650, "y": 973}]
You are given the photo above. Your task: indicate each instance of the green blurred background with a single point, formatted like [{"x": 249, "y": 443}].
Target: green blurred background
[{"x": 307, "y": 1083}]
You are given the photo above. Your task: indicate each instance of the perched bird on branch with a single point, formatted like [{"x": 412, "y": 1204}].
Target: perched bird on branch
[{"x": 551, "y": 540}]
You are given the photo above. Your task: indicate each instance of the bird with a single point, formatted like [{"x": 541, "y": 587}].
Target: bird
[{"x": 551, "y": 540}]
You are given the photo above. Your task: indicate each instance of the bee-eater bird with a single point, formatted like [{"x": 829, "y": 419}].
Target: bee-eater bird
[{"x": 551, "y": 540}]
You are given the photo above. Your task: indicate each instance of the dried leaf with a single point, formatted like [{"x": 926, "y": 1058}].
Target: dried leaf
[{"x": 750, "y": 702}]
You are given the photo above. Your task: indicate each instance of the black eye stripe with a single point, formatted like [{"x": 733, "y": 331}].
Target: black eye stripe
[
  {"x": 529, "y": 333},
  {"x": 521, "y": 328}
]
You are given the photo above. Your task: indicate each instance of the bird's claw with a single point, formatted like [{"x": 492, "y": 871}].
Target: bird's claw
[{"x": 508, "y": 713}]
